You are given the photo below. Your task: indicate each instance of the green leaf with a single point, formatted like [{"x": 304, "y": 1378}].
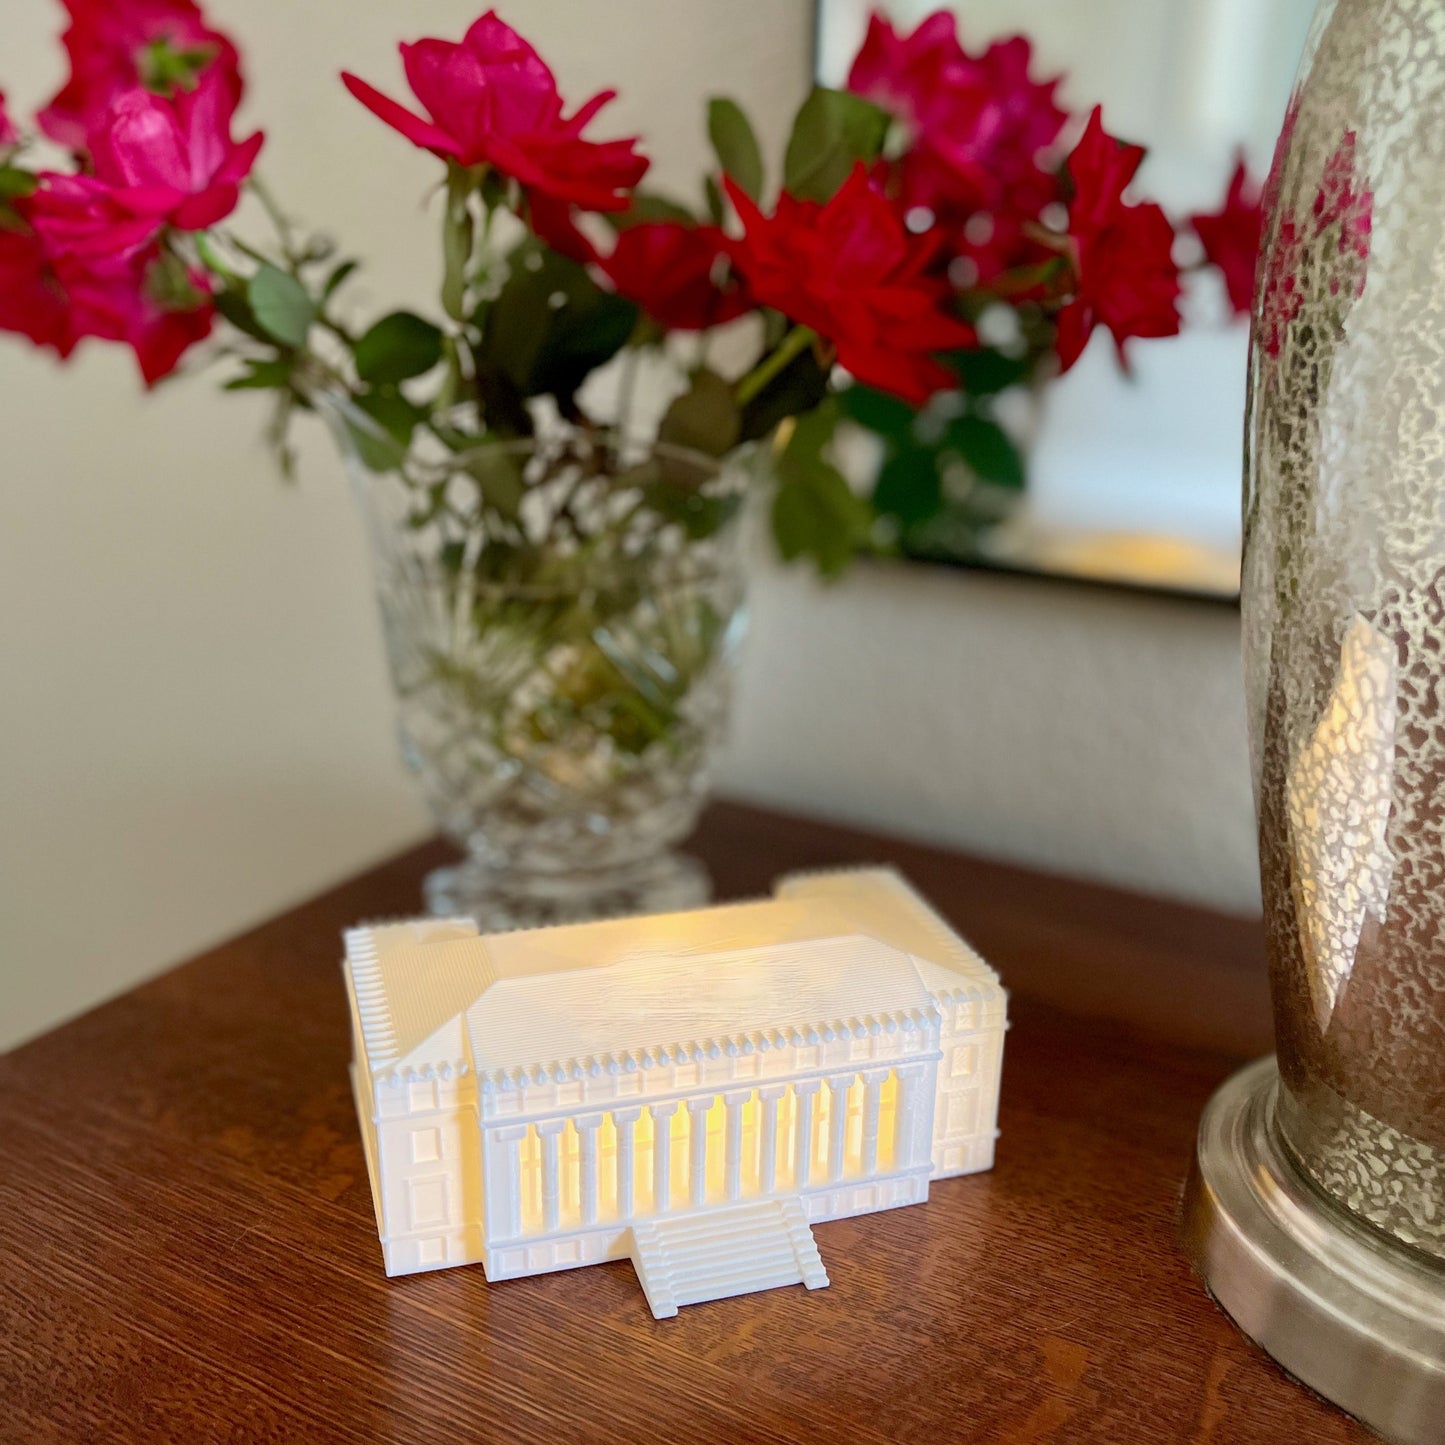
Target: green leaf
[
  {"x": 909, "y": 486},
  {"x": 812, "y": 432},
  {"x": 232, "y": 305},
  {"x": 815, "y": 512},
  {"x": 648, "y": 206},
  {"x": 705, "y": 417},
  {"x": 716, "y": 204},
  {"x": 674, "y": 493},
  {"x": 381, "y": 424},
  {"x": 498, "y": 475},
  {"x": 552, "y": 325},
  {"x": 261, "y": 375},
  {"x": 833, "y": 131},
  {"x": 796, "y": 389},
  {"x": 879, "y": 412},
  {"x": 168, "y": 283},
  {"x": 735, "y": 144},
  {"x": 987, "y": 449},
  {"x": 280, "y": 305},
  {"x": 337, "y": 278},
  {"x": 397, "y": 347},
  {"x": 503, "y": 404},
  {"x": 15, "y": 182},
  {"x": 984, "y": 372}
]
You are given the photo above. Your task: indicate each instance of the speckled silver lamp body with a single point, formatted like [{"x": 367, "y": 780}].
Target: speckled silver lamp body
[{"x": 1344, "y": 627}]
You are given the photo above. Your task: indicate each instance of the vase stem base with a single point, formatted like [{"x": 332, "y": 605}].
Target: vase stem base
[
  {"x": 504, "y": 899},
  {"x": 1355, "y": 1317}
]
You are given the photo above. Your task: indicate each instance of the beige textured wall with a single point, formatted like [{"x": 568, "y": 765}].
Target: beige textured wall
[
  {"x": 1075, "y": 729},
  {"x": 194, "y": 721}
]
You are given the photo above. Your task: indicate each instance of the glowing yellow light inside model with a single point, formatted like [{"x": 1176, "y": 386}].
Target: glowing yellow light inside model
[{"x": 754, "y": 1155}]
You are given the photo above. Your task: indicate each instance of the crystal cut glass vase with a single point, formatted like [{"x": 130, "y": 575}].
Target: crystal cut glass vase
[
  {"x": 1317, "y": 1212},
  {"x": 561, "y": 618}
]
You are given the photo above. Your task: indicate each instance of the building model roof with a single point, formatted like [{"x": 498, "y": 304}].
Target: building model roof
[{"x": 836, "y": 952}]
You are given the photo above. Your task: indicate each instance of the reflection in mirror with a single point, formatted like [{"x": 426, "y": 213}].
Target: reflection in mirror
[{"x": 1134, "y": 478}]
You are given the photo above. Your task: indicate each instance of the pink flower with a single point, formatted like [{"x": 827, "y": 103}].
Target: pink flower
[
  {"x": 82, "y": 217},
  {"x": 9, "y": 136},
  {"x": 492, "y": 101},
  {"x": 174, "y": 158},
  {"x": 555, "y": 222},
  {"x": 1231, "y": 235},
  {"x": 1003, "y": 253},
  {"x": 32, "y": 301},
  {"x": 978, "y": 125},
  {"x": 118, "y": 45},
  {"x": 56, "y": 300},
  {"x": 128, "y": 303},
  {"x": 850, "y": 271},
  {"x": 1125, "y": 277},
  {"x": 670, "y": 270},
  {"x": 158, "y": 162},
  {"x": 900, "y": 72}
]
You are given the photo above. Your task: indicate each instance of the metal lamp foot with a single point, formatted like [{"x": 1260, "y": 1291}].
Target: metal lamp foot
[{"x": 1357, "y": 1318}]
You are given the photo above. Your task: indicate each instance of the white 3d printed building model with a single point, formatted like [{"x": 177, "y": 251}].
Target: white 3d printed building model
[{"x": 690, "y": 1090}]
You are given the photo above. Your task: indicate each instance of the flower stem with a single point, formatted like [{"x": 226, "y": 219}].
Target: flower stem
[
  {"x": 277, "y": 216},
  {"x": 791, "y": 346},
  {"x": 457, "y": 238}
]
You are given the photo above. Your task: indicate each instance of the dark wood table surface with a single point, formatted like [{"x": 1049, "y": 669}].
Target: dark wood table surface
[{"x": 189, "y": 1251}]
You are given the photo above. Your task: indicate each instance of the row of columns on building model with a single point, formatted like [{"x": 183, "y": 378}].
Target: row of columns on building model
[{"x": 911, "y": 1146}]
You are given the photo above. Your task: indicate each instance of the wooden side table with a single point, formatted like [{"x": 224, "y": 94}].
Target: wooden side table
[{"x": 189, "y": 1249}]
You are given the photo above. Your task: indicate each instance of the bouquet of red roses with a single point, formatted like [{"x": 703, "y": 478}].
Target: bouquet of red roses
[{"x": 938, "y": 231}]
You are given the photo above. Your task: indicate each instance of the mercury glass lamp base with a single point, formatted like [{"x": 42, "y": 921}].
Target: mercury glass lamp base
[
  {"x": 1358, "y": 1319},
  {"x": 504, "y": 899}
]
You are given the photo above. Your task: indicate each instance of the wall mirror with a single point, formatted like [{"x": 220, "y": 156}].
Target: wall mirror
[{"x": 1134, "y": 480}]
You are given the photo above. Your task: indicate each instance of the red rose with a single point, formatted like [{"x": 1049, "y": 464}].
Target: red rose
[
  {"x": 1024, "y": 118},
  {"x": 158, "y": 162},
  {"x": 126, "y": 303},
  {"x": 1230, "y": 237},
  {"x": 119, "y": 45},
  {"x": 850, "y": 271},
  {"x": 989, "y": 247},
  {"x": 1124, "y": 272},
  {"x": 32, "y": 301},
  {"x": 174, "y": 158},
  {"x": 555, "y": 222},
  {"x": 493, "y": 101},
  {"x": 82, "y": 217},
  {"x": 670, "y": 269},
  {"x": 59, "y": 299},
  {"x": 977, "y": 124},
  {"x": 901, "y": 72}
]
